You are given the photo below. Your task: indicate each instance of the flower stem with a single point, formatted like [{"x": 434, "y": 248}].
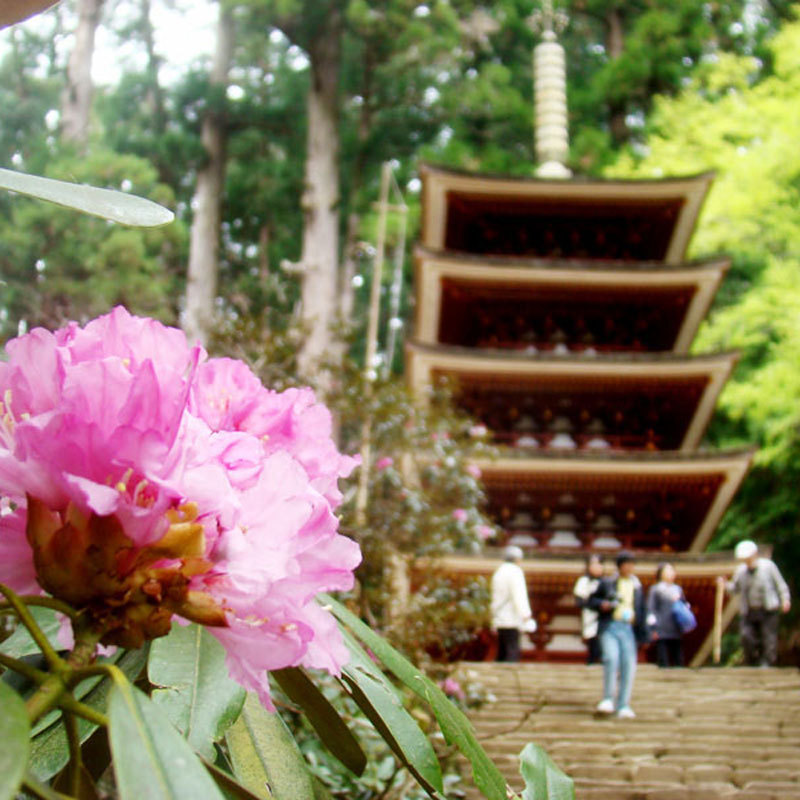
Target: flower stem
[
  {"x": 49, "y": 693},
  {"x": 44, "y": 602},
  {"x": 75, "y": 757},
  {"x": 26, "y": 618}
]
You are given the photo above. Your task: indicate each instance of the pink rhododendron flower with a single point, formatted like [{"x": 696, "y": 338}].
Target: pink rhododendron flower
[
  {"x": 460, "y": 515},
  {"x": 141, "y": 481},
  {"x": 451, "y": 687},
  {"x": 474, "y": 470},
  {"x": 485, "y": 532},
  {"x": 383, "y": 463}
]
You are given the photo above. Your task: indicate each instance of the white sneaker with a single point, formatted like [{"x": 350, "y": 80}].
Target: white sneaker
[
  {"x": 626, "y": 713},
  {"x": 606, "y": 706}
]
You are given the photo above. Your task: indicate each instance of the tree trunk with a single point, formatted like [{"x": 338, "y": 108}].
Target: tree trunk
[
  {"x": 615, "y": 44},
  {"x": 201, "y": 284},
  {"x": 76, "y": 101},
  {"x": 320, "y": 254}
]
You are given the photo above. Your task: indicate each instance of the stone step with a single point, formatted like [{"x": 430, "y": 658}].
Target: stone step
[{"x": 708, "y": 733}]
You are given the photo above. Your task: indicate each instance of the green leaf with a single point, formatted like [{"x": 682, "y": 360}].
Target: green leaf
[
  {"x": 265, "y": 756},
  {"x": 106, "y": 203},
  {"x": 324, "y": 718},
  {"x": 21, "y": 644},
  {"x": 543, "y": 779},
  {"x": 14, "y": 736},
  {"x": 382, "y": 704},
  {"x": 50, "y": 750},
  {"x": 197, "y": 692},
  {"x": 457, "y": 729},
  {"x": 151, "y": 759},
  {"x": 228, "y": 783}
]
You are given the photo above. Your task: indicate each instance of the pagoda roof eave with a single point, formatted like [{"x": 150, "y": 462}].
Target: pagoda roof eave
[
  {"x": 439, "y": 184},
  {"x": 433, "y": 268},
  {"x": 716, "y": 368},
  {"x": 715, "y": 261},
  {"x": 733, "y": 465},
  {"x": 428, "y": 167}
]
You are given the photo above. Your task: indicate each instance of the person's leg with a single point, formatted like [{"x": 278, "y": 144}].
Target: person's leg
[
  {"x": 502, "y": 644},
  {"x": 627, "y": 666},
  {"x": 611, "y": 655},
  {"x": 769, "y": 638},
  {"x": 676, "y": 652},
  {"x": 662, "y": 653},
  {"x": 594, "y": 654},
  {"x": 749, "y": 636},
  {"x": 513, "y": 645}
]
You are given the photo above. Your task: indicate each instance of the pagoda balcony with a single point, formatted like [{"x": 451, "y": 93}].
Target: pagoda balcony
[
  {"x": 576, "y": 306},
  {"x": 652, "y": 402}
]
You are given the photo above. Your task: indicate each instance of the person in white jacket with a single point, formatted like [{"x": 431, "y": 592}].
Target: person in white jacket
[{"x": 511, "y": 609}]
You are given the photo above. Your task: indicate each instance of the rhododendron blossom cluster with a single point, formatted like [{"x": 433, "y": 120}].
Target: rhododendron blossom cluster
[{"x": 142, "y": 480}]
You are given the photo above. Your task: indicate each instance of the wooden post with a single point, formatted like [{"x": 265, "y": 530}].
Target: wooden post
[
  {"x": 718, "y": 601},
  {"x": 362, "y": 495}
]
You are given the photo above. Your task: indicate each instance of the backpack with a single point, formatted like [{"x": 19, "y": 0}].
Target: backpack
[{"x": 683, "y": 617}]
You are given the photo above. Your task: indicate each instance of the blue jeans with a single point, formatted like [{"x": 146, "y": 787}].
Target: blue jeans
[{"x": 619, "y": 655}]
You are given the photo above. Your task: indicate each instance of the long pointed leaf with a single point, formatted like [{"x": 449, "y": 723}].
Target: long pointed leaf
[
  {"x": 380, "y": 701},
  {"x": 14, "y": 735},
  {"x": 197, "y": 692},
  {"x": 106, "y": 203},
  {"x": 151, "y": 759},
  {"x": 457, "y": 729},
  {"x": 324, "y": 718},
  {"x": 265, "y": 756},
  {"x": 543, "y": 779}
]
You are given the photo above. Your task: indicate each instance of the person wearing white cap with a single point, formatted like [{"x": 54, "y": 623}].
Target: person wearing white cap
[
  {"x": 763, "y": 594},
  {"x": 511, "y": 609}
]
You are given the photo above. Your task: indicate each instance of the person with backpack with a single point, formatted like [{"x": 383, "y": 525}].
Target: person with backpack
[
  {"x": 622, "y": 624},
  {"x": 664, "y": 617}
]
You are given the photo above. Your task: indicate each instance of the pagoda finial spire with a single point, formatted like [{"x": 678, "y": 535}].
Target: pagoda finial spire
[{"x": 550, "y": 93}]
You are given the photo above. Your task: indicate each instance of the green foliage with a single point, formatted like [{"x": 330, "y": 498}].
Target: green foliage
[
  {"x": 58, "y": 265},
  {"x": 14, "y": 731},
  {"x": 194, "y": 688}
]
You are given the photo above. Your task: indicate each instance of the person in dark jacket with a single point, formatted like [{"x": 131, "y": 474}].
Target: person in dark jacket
[
  {"x": 660, "y": 600},
  {"x": 622, "y": 625}
]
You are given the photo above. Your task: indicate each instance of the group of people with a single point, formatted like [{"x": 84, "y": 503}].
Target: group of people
[{"x": 617, "y": 618}]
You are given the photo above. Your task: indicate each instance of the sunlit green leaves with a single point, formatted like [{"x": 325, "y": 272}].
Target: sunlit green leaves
[
  {"x": 14, "y": 729},
  {"x": 194, "y": 687}
]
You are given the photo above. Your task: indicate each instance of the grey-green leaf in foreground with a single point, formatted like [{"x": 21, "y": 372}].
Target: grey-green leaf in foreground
[
  {"x": 382, "y": 704},
  {"x": 50, "y": 749},
  {"x": 21, "y": 644},
  {"x": 265, "y": 756},
  {"x": 196, "y": 692},
  {"x": 543, "y": 779},
  {"x": 457, "y": 729},
  {"x": 106, "y": 203},
  {"x": 324, "y": 718},
  {"x": 14, "y": 736},
  {"x": 151, "y": 759}
]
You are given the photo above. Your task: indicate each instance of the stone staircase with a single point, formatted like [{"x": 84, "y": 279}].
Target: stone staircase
[{"x": 699, "y": 734}]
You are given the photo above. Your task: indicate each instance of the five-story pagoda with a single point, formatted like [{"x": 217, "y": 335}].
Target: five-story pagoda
[{"x": 562, "y": 311}]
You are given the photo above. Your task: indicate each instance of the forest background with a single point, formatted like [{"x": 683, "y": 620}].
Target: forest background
[{"x": 271, "y": 150}]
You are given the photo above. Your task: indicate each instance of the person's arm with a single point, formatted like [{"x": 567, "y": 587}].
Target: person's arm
[
  {"x": 519, "y": 597},
  {"x": 782, "y": 587},
  {"x": 652, "y": 614},
  {"x": 600, "y": 599}
]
